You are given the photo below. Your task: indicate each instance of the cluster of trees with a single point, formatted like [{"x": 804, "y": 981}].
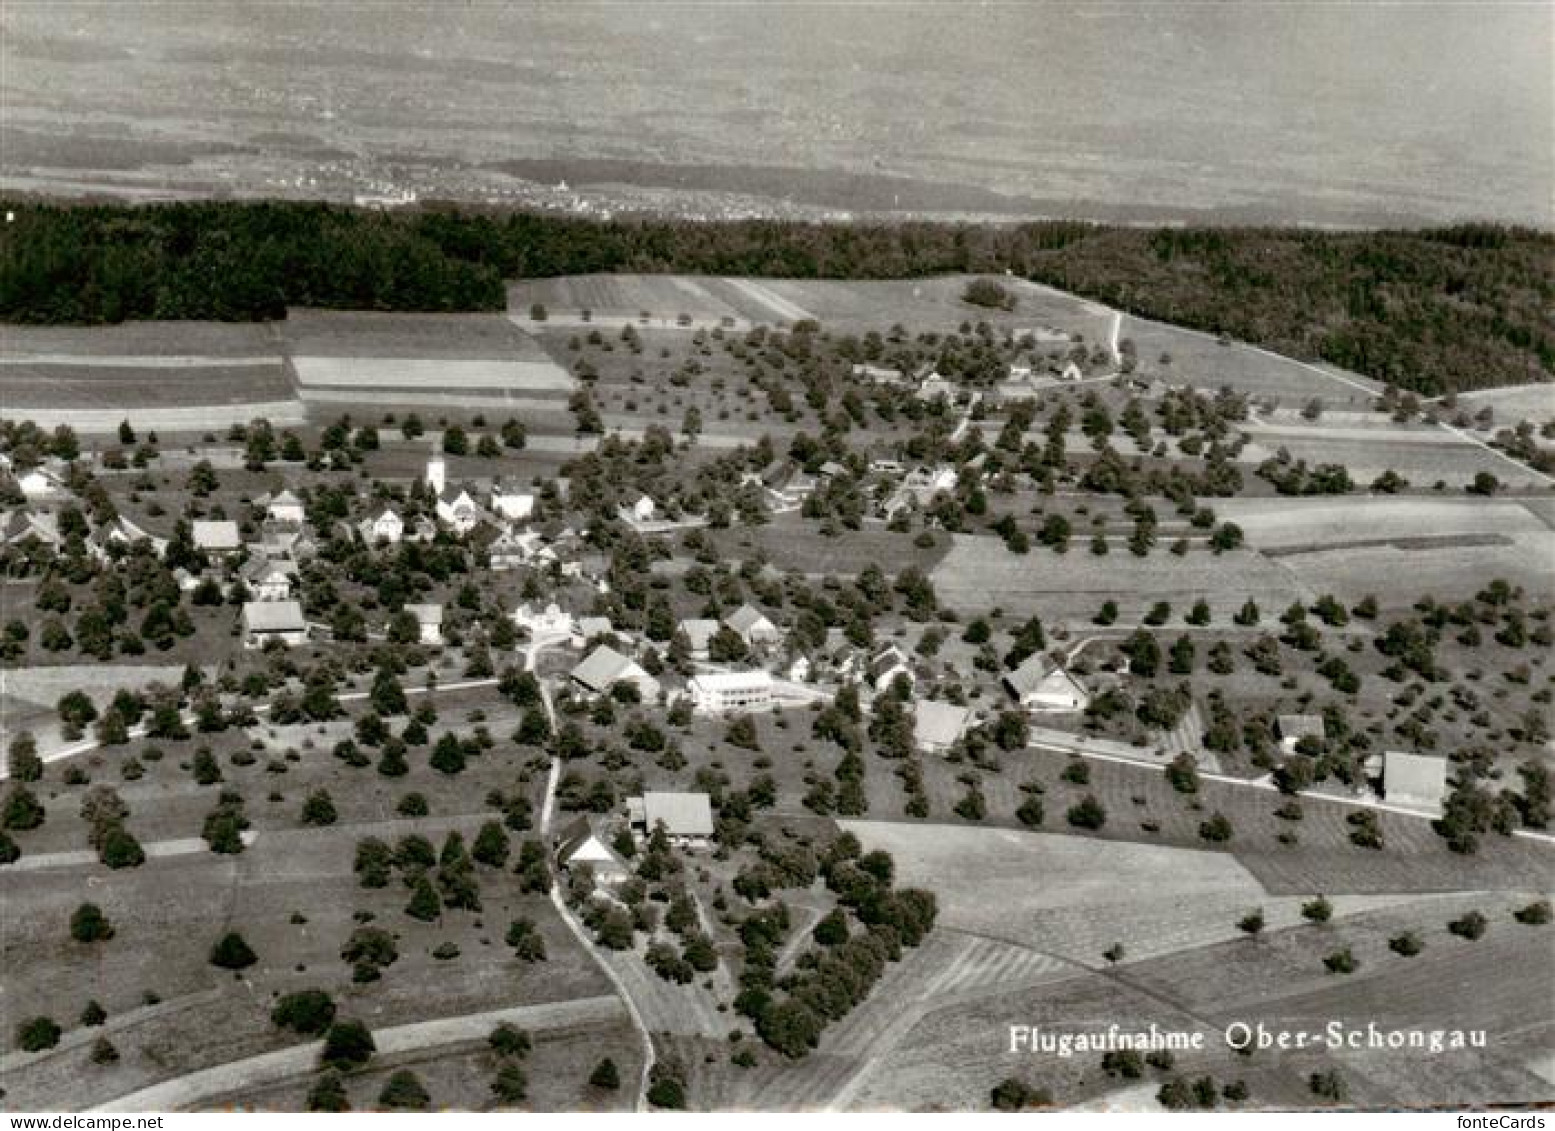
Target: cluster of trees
[
  {"x": 1430, "y": 310},
  {"x": 830, "y": 980}
]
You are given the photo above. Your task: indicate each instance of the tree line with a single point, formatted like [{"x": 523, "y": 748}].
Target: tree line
[{"x": 1434, "y": 311}]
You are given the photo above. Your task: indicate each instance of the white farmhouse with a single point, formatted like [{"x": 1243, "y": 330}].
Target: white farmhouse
[{"x": 717, "y": 693}]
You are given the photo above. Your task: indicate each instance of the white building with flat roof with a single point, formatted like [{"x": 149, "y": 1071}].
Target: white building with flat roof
[{"x": 717, "y": 693}]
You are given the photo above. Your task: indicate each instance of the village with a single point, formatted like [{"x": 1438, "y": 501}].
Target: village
[{"x": 714, "y": 724}]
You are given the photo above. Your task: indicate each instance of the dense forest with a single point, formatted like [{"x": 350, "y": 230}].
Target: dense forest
[{"x": 1433, "y": 311}]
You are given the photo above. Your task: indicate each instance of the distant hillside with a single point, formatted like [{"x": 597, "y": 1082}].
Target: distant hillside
[{"x": 1434, "y": 311}]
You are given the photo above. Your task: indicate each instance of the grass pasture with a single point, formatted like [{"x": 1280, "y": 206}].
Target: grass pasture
[
  {"x": 979, "y": 573},
  {"x": 1518, "y": 402},
  {"x": 616, "y": 300},
  {"x": 163, "y": 376},
  {"x": 1316, "y": 523},
  {"x": 1200, "y": 360},
  {"x": 1422, "y": 457},
  {"x": 1400, "y": 576}
]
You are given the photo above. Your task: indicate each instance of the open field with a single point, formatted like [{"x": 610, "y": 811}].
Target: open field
[
  {"x": 935, "y": 304},
  {"x": 1400, "y": 576},
  {"x": 1309, "y": 523},
  {"x": 1519, "y": 402},
  {"x": 1422, "y": 457},
  {"x": 788, "y": 542},
  {"x": 1202, "y": 361},
  {"x": 378, "y": 373},
  {"x": 979, "y": 573},
  {"x": 165, "y": 342},
  {"x": 447, "y": 337},
  {"x": 1187, "y": 967},
  {"x": 459, "y": 1076},
  {"x": 614, "y": 300},
  {"x": 168, "y": 376}
]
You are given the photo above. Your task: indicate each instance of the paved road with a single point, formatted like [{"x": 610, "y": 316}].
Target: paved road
[{"x": 298, "y": 1060}]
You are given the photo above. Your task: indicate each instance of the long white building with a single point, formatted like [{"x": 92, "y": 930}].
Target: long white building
[{"x": 717, "y": 693}]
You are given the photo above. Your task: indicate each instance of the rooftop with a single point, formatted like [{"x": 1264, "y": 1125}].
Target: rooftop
[{"x": 683, "y": 814}]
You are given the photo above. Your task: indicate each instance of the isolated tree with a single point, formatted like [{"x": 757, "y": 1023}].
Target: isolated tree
[
  {"x": 232, "y": 952},
  {"x": 88, "y": 924},
  {"x": 605, "y": 1076}
]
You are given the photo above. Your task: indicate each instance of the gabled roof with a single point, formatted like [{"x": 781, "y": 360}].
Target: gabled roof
[
  {"x": 1025, "y": 680},
  {"x": 216, "y": 534},
  {"x": 260, "y": 568},
  {"x": 683, "y": 814},
  {"x": 886, "y": 660},
  {"x": 747, "y": 618},
  {"x": 426, "y": 614},
  {"x": 600, "y": 668},
  {"x": 583, "y": 840},
  {"x": 285, "y": 499},
  {"x": 273, "y": 616}
]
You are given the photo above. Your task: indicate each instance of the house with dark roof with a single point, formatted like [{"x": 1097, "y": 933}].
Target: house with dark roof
[
  {"x": 1038, "y": 684},
  {"x": 753, "y": 626},
  {"x": 264, "y": 621},
  {"x": 687, "y": 817},
  {"x": 582, "y": 844},
  {"x": 216, "y": 536},
  {"x": 604, "y": 667}
]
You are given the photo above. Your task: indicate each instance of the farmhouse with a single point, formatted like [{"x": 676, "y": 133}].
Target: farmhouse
[
  {"x": 581, "y": 844},
  {"x": 687, "y": 817},
  {"x": 270, "y": 579},
  {"x": 459, "y": 511},
  {"x": 1293, "y": 728},
  {"x": 512, "y": 548},
  {"x": 604, "y": 667},
  {"x": 216, "y": 536},
  {"x": 511, "y": 503},
  {"x": 120, "y": 531},
  {"x": 1415, "y": 781},
  {"x": 388, "y": 527},
  {"x": 753, "y": 626},
  {"x": 699, "y": 632},
  {"x": 285, "y": 507},
  {"x": 887, "y": 665},
  {"x": 715, "y": 693},
  {"x": 591, "y": 628},
  {"x": 920, "y": 486},
  {"x": 1039, "y": 685},
  {"x": 264, "y": 621},
  {"x": 939, "y": 726},
  {"x": 549, "y": 621},
  {"x": 19, "y": 528},
  {"x": 41, "y": 484},
  {"x": 429, "y": 620}
]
